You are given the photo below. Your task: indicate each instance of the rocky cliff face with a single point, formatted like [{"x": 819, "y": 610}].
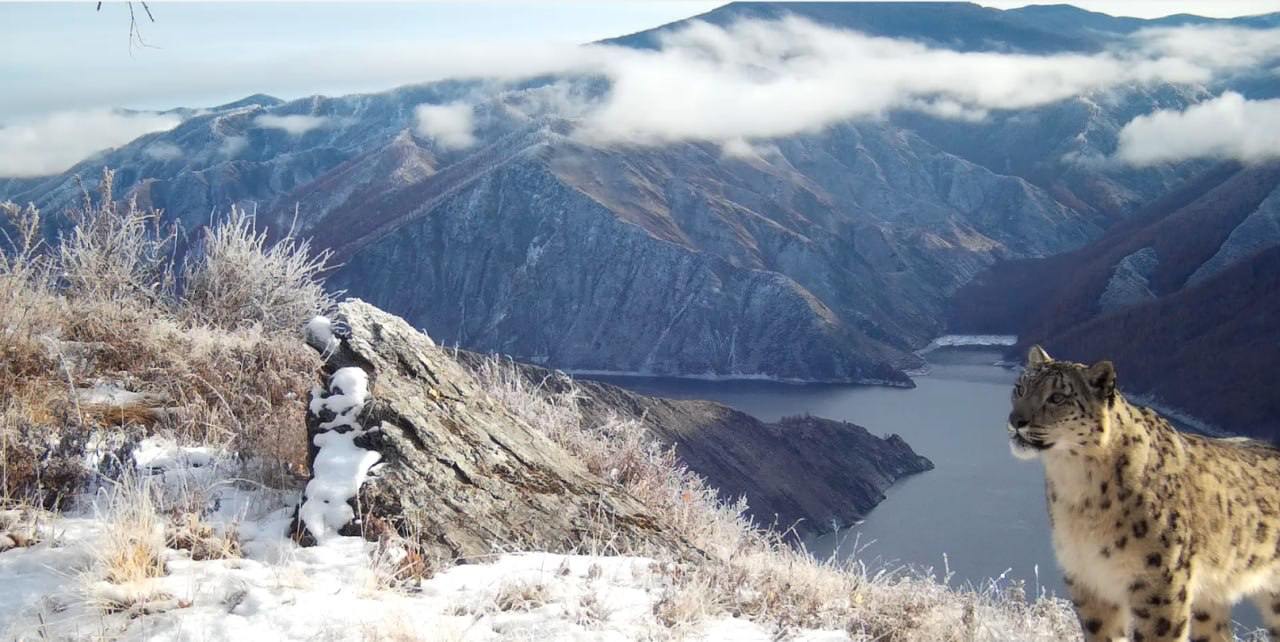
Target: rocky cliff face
[
  {"x": 809, "y": 473},
  {"x": 401, "y": 434},
  {"x": 808, "y": 265}
]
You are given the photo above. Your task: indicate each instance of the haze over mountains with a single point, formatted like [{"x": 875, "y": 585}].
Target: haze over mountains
[{"x": 798, "y": 202}]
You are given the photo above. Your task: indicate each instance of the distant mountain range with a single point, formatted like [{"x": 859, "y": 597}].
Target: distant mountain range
[
  {"x": 827, "y": 256},
  {"x": 1184, "y": 296}
]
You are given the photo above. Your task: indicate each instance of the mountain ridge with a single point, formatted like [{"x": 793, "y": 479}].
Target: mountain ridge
[{"x": 824, "y": 256}]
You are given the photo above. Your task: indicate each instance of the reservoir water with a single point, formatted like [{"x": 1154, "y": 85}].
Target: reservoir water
[
  {"x": 980, "y": 507},
  {"x": 979, "y": 515}
]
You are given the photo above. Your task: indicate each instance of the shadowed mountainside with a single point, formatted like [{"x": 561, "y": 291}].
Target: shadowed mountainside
[{"x": 1190, "y": 279}]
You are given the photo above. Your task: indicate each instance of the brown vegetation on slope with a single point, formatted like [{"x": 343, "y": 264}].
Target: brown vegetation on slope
[{"x": 94, "y": 336}]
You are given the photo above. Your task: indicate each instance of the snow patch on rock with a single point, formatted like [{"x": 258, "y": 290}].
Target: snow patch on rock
[
  {"x": 318, "y": 333},
  {"x": 340, "y": 465}
]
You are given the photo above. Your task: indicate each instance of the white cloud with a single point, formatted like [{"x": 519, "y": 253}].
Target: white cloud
[
  {"x": 451, "y": 125},
  {"x": 1227, "y": 127},
  {"x": 755, "y": 80},
  {"x": 748, "y": 82},
  {"x": 162, "y": 151},
  {"x": 294, "y": 124},
  {"x": 1216, "y": 47},
  {"x": 232, "y": 145},
  {"x": 56, "y": 142}
]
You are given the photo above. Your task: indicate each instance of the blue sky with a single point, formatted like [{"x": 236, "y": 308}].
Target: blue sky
[{"x": 64, "y": 56}]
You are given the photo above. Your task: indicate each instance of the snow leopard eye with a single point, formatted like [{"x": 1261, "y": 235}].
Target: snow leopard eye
[
  {"x": 1057, "y": 398},
  {"x": 1017, "y": 390}
]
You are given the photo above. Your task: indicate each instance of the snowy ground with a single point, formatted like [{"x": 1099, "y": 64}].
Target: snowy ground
[{"x": 335, "y": 591}]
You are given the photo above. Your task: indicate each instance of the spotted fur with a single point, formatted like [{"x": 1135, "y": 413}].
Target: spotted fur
[{"x": 1158, "y": 532}]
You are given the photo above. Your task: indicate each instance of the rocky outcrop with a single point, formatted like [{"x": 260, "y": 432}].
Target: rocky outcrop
[
  {"x": 402, "y": 434},
  {"x": 1130, "y": 283},
  {"x": 806, "y": 473},
  {"x": 1260, "y": 231}
]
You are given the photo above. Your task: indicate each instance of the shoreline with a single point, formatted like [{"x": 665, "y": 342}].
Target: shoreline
[{"x": 719, "y": 378}]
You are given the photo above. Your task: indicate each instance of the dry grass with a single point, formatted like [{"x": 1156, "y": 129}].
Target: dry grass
[
  {"x": 188, "y": 531},
  {"x": 521, "y": 595},
  {"x": 132, "y": 546},
  {"x": 99, "y": 306}
]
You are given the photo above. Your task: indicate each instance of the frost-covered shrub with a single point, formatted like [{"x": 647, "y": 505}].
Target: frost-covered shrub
[
  {"x": 98, "y": 305},
  {"x": 236, "y": 278},
  {"x": 115, "y": 251}
]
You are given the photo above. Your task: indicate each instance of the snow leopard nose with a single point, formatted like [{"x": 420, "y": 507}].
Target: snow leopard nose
[{"x": 1018, "y": 421}]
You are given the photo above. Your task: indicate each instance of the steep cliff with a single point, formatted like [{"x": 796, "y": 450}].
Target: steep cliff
[{"x": 400, "y": 434}]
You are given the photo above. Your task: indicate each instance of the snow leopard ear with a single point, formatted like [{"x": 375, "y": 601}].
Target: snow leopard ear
[
  {"x": 1037, "y": 356},
  {"x": 1102, "y": 378}
]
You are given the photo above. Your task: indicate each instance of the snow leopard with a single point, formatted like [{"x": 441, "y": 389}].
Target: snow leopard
[{"x": 1158, "y": 532}]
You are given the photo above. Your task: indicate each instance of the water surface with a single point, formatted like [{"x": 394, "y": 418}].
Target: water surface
[{"x": 979, "y": 514}]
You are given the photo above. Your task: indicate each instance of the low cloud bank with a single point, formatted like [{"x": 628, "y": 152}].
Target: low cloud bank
[
  {"x": 163, "y": 151},
  {"x": 60, "y": 140},
  {"x": 749, "y": 82},
  {"x": 758, "y": 80},
  {"x": 293, "y": 124},
  {"x": 1227, "y": 127},
  {"x": 451, "y": 126}
]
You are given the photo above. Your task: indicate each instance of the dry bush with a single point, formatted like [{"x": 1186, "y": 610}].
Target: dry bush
[
  {"x": 399, "y": 563},
  {"x": 187, "y": 531},
  {"x": 28, "y": 376},
  {"x": 521, "y": 595},
  {"x": 115, "y": 252},
  {"x": 236, "y": 278},
  {"x": 591, "y": 613},
  {"x": 98, "y": 307}
]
